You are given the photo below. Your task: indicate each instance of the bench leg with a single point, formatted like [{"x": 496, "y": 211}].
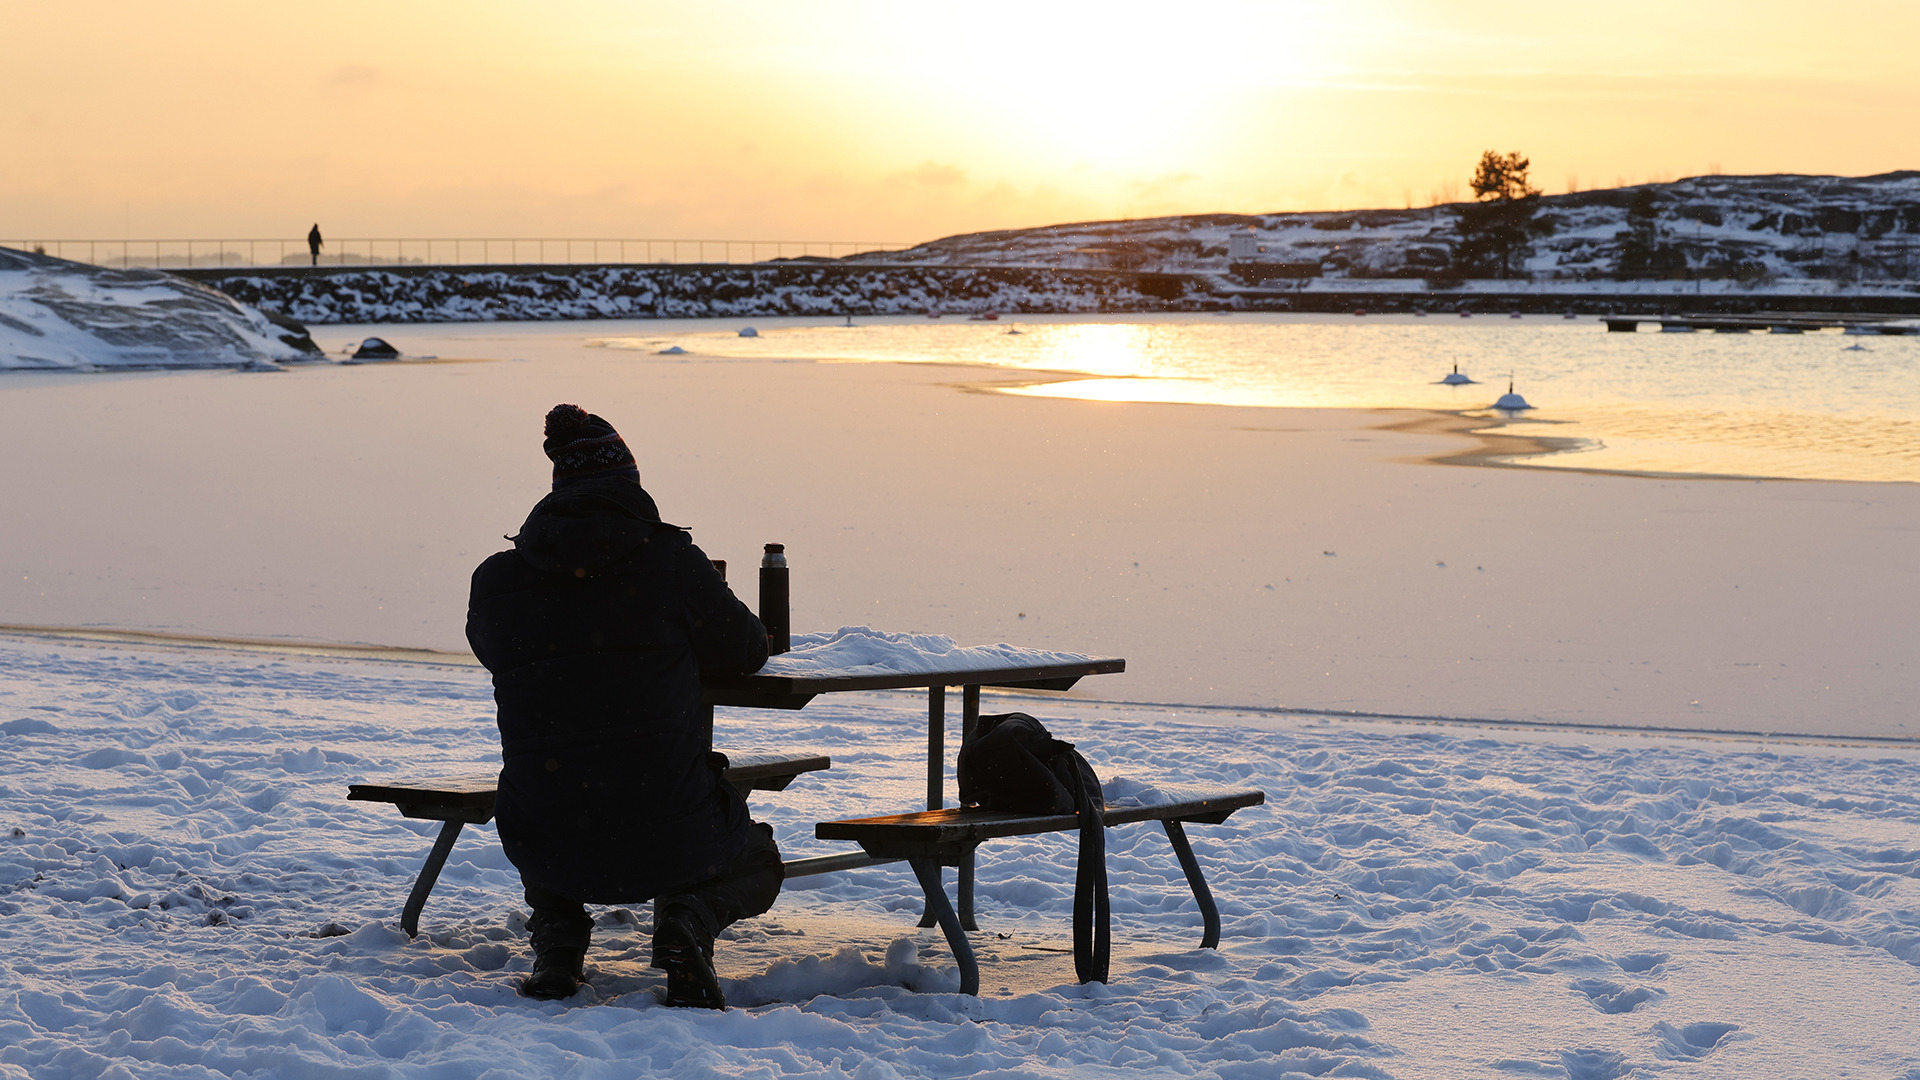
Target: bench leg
[
  {"x": 928, "y": 872},
  {"x": 1209, "y": 914},
  {"x": 966, "y": 898},
  {"x": 430, "y": 873}
]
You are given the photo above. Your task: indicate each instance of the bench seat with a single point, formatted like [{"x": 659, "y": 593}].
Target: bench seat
[
  {"x": 930, "y": 839},
  {"x": 468, "y": 800}
]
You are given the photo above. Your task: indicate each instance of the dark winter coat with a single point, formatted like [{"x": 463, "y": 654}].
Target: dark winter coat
[{"x": 596, "y": 627}]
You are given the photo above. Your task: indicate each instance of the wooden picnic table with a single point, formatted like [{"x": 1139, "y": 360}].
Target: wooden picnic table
[
  {"x": 927, "y": 840},
  {"x": 778, "y": 691}
]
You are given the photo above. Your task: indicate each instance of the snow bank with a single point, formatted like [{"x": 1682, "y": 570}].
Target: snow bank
[
  {"x": 56, "y": 314},
  {"x": 184, "y": 891}
]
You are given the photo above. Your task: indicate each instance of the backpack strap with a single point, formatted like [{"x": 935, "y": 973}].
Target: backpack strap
[
  {"x": 1012, "y": 763},
  {"x": 1092, "y": 911}
]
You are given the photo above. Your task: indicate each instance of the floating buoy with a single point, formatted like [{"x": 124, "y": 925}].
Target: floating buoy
[
  {"x": 1511, "y": 401},
  {"x": 1454, "y": 378},
  {"x": 748, "y": 331}
]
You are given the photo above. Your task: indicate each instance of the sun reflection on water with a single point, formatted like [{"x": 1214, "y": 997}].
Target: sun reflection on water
[{"x": 1793, "y": 406}]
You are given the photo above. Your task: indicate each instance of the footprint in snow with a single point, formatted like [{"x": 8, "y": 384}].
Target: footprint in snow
[
  {"x": 1614, "y": 999},
  {"x": 1692, "y": 1042}
]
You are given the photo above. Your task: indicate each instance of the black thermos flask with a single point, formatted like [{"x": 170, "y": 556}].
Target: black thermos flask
[{"x": 773, "y": 599}]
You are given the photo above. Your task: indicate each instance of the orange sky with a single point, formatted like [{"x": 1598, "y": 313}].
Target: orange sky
[{"x": 899, "y": 122}]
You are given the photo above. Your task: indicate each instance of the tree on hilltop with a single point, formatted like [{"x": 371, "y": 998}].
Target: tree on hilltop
[
  {"x": 1502, "y": 179},
  {"x": 1498, "y": 227}
]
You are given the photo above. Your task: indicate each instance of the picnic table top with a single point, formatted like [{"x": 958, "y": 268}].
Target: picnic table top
[{"x": 792, "y": 691}]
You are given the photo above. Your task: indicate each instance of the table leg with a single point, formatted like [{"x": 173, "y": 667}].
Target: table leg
[
  {"x": 969, "y": 712},
  {"x": 966, "y": 893},
  {"x": 969, "y": 718},
  {"x": 936, "y": 778},
  {"x": 936, "y": 747}
]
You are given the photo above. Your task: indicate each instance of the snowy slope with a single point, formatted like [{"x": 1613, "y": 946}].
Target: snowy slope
[
  {"x": 1763, "y": 227},
  {"x": 56, "y": 314},
  {"x": 184, "y": 892}
]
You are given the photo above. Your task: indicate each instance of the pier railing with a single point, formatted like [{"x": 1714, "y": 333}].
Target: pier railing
[{"x": 457, "y": 251}]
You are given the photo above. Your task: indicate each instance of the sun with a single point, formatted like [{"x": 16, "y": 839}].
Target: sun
[{"x": 1125, "y": 88}]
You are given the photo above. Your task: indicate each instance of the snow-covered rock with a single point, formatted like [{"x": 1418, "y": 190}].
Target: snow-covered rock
[{"x": 56, "y": 314}]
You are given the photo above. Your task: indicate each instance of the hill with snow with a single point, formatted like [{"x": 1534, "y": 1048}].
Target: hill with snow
[
  {"x": 60, "y": 315},
  {"x": 1756, "y": 230}
]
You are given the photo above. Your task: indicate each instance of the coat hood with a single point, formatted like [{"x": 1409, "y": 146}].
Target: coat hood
[{"x": 588, "y": 525}]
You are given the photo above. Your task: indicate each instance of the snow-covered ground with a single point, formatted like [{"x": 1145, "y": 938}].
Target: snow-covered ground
[
  {"x": 56, "y": 315},
  {"x": 184, "y": 892}
]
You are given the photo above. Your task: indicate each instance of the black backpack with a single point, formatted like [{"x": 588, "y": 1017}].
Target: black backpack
[{"x": 1013, "y": 764}]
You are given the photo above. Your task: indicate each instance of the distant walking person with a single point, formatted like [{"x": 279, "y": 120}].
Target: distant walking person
[{"x": 314, "y": 242}]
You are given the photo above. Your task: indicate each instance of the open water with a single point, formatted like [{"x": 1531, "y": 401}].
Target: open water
[{"x": 1820, "y": 406}]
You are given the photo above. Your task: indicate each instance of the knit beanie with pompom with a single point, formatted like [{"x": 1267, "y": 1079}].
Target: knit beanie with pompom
[{"x": 583, "y": 446}]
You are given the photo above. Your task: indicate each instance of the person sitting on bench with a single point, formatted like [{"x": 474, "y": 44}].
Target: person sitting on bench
[{"x": 596, "y": 626}]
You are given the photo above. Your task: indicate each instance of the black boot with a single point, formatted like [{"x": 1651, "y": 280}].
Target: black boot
[
  {"x": 557, "y": 973},
  {"x": 559, "y": 929},
  {"x": 686, "y": 955}
]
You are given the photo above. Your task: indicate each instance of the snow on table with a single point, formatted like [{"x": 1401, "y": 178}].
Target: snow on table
[{"x": 862, "y": 650}]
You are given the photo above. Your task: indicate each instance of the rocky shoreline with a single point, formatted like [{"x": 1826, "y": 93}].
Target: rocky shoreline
[{"x": 537, "y": 293}]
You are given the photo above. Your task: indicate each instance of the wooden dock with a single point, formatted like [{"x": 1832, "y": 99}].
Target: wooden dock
[{"x": 1797, "y": 323}]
